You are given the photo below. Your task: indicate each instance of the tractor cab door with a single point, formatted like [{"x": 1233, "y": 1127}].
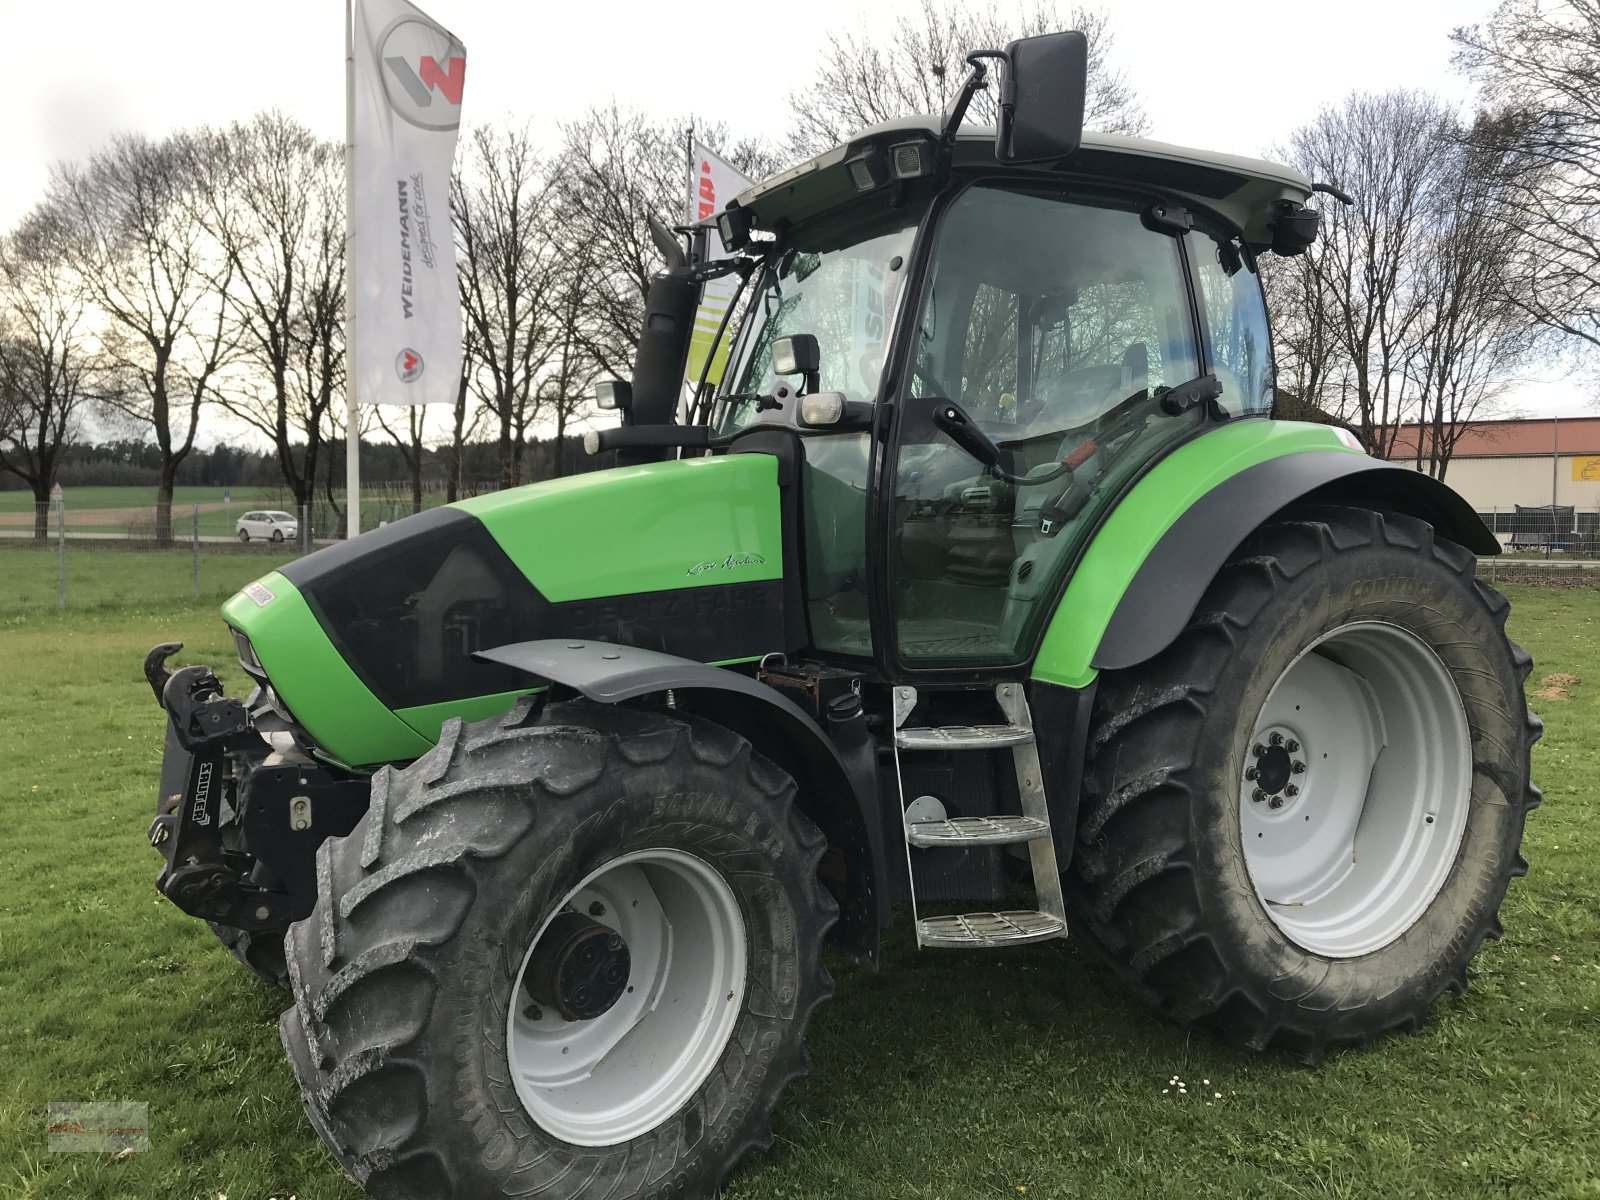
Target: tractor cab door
[{"x": 1051, "y": 319}]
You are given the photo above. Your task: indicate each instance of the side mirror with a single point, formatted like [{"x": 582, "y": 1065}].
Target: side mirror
[
  {"x": 1294, "y": 228},
  {"x": 798, "y": 354},
  {"x": 614, "y": 394},
  {"x": 1042, "y": 98}
]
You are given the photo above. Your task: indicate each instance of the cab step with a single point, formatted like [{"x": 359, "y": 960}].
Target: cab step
[
  {"x": 974, "y": 931},
  {"x": 963, "y": 737},
  {"x": 976, "y": 831},
  {"x": 971, "y": 931}
]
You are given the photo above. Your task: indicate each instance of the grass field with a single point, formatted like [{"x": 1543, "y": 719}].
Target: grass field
[
  {"x": 1022, "y": 1073},
  {"x": 102, "y": 577},
  {"x": 113, "y": 509}
]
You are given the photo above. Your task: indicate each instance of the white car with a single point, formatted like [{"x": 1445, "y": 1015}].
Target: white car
[{"x": 271, "y": 526}]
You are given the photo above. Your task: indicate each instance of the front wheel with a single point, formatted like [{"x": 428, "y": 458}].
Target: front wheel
[
  {"x": 568, "y": 956},
  {"x": 1300, "y": 819},
  {"x": 277, "y": 535}
]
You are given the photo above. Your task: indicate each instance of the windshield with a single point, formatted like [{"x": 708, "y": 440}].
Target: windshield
[{"x": 837, "y": 279}]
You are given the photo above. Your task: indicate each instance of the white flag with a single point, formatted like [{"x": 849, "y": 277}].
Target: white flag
[
  {"x": 409, "y": 72},
  {"x": 715, "y": 183}
]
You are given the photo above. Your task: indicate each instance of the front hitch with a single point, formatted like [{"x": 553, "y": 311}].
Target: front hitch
[{"x": 203, "y": 726}]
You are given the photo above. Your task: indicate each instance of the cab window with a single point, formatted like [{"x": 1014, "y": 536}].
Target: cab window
[
  {"x": 1238, "y": 344},
  {"x": 1052, "y": 320}
]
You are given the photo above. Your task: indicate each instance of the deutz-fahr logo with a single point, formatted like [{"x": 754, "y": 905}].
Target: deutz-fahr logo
[
  {"x": 423, "y": 68},
  {"x": 727, "y": 564}
]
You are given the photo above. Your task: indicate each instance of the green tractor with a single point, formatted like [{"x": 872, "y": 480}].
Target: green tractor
[{"x": 986, "y": 573}]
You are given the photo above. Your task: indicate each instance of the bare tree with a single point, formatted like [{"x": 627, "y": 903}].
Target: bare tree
[
  {"x": 409, "y": 439},
  {"x": 1537, "y": 66},
  {"x": 270, "y": 194},
  {"x": 565, "y": 389},
  {"x": 921, "y": 66},
  {"x": 151, "y": 270},
  {"x": 48, "y": 356},
  {"x": 1473, "y": 331},
  {"x": 619, "y": 167},
  {"x": 1359, "y": 280},
  {"x": 466, "y": 416},
  {"x": 502, "y": 202}
]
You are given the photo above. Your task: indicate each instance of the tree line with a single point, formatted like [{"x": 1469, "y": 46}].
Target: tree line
[{"x": 165, "y": 279}]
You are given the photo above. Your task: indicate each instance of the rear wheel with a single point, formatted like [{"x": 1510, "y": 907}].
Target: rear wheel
[
  {"x": 1300, "y": 819},
  {"x": 244, "y": 535},
  {"x": 573, "y": 958}
]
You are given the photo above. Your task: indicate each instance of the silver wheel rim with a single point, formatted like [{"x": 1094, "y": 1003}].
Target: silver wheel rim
[
  {"x": 603, "y": 1081},
  {"x": 1357, "y": 782}
]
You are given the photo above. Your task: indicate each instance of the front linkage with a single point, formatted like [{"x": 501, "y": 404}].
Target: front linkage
[{"x": 238, "y": 821}]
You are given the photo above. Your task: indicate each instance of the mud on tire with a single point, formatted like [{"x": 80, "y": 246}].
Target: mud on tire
[
  {"x": 1160, "y": 883},
  {"x": 403, "y": 975}
]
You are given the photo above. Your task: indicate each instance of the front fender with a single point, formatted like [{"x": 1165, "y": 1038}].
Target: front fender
[{"x": 838, "y": 791}]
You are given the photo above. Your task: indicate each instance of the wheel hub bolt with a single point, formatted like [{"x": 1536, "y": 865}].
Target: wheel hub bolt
[
  {"x": 1298, "y": 767},
  {"x": 1275, "y": 802},
  {"x": 1258, "y": 749},
  {"x": 1258, "y": 795},
  {"x": 1291, "y": 745},
  {"x": 1291, "y": 790},
  {"x": 1249, "y": 772},
  {"x": 597, "y": 909},
  {"x": 1275, "y": 738}
]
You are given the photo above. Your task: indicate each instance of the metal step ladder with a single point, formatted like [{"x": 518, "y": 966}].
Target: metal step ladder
[{"x": 988, "y": 929}]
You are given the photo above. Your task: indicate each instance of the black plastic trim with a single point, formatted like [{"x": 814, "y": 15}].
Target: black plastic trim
[
  {"x": 1169, "y": 584},
  {"x": 1061, "y": 720},
  {"x": 328, "y": 566}
]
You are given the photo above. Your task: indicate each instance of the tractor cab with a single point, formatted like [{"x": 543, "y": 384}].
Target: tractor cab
[{"x": 975, "y": 362}]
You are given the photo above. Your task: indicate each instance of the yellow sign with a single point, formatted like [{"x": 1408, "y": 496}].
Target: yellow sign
[{"x": 1586, "y": 468}]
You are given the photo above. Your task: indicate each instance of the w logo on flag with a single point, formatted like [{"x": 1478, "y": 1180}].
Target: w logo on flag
[{"x": 424, "y": 70}]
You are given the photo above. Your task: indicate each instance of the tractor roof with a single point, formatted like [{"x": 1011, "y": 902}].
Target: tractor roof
[{"x": 1241, "y": 190}]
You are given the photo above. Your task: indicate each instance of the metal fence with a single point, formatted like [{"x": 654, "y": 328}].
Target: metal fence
[{"x": 1546, "y": 532}]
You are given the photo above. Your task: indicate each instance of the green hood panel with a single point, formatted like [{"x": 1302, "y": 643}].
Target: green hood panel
[
  {"x": 680, "y": 524},
  {"x": 1138, "y": 522},
  {"x": 313, "y": 680}
]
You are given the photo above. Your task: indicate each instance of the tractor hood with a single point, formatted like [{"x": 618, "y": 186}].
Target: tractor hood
[{"x": 367, "y": 645}]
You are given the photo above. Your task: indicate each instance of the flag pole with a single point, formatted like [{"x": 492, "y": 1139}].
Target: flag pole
[{"x": 352, "y": 434}]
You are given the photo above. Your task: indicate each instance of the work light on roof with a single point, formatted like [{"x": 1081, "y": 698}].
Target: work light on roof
[
  {"x": 911, "y": 160},
  {"x": 867, "y": 169}
]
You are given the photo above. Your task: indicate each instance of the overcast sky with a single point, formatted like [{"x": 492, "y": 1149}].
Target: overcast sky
[{"x": 1234, "y": 75}]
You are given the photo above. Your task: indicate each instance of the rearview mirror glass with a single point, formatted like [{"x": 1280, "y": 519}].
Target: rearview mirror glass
[{"x": 1041, "y": 102}]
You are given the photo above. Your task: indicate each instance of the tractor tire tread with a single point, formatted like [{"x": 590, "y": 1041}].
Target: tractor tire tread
[
  {"x": 1133, "y": 839},
  {"x": 362, "y": 990}
]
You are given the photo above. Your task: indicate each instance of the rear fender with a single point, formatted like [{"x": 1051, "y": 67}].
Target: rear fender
[
  {"x": 837, "y": 793},
  {"x": 1157, "y": 592}
]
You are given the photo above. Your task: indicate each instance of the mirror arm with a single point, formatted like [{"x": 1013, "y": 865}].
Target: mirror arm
[{"x": 976, "y": 81}]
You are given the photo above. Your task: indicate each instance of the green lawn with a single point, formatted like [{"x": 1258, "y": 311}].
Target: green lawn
[
  {"x": 88, "y": 508},
  {"x": 103, "y": 577},
  {"x": 142, "y": 497},
  {"x": 944, "y": 1075}
]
